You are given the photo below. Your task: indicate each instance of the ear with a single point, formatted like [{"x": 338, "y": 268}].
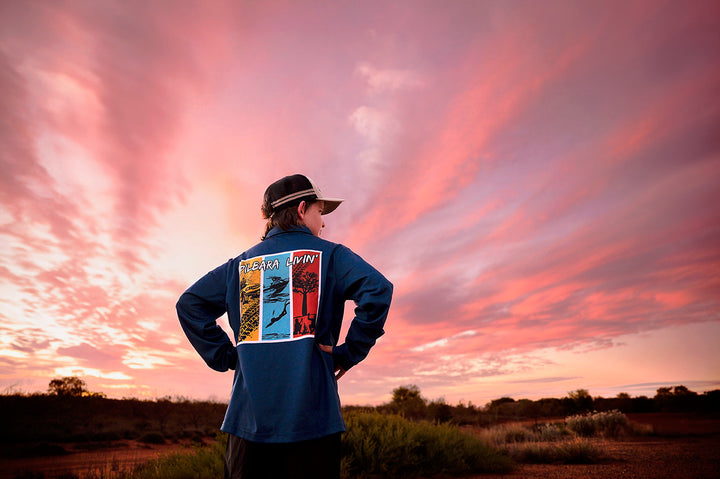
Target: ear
[{"x": 301, "y": 209}]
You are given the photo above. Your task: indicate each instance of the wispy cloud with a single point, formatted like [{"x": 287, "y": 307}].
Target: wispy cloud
[
  {"x": 535, "y": 179},
  {"x": 380, "y": 80}
]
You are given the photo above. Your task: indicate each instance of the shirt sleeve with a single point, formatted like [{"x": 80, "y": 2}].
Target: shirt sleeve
[
  {"x": 372, "y": 294},
  {"x": 198, "y": 310}
]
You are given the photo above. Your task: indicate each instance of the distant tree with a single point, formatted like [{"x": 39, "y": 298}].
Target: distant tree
[
  {"x": 551, "y": 407},
  {"x": 683, "y": 391},
  {"x": 675, "y": 399},
  {"x": 408, "y": 402},
  {"x": 582, "y": 400},
  {"x": 164, "y": 408},
  {"x": 711, "y": 401},
  {"x": 663, "y": 392},
  {"x": 69, "y": 386},
  {"x": 495, "y": 403},
  {"x": 439, "y": 410},
  {"x": 528, "y": 408},
  {"x": 578, "y": 394},
  {"x": 642, "y": 404},
  {"x": 504, "y": 407},
  {"x": 623, "y": 402}
]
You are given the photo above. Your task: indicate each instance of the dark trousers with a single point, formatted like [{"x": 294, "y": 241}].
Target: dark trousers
[{"x": 316, "y": 459}]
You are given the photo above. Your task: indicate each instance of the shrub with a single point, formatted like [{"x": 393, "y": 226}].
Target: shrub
[
  {"x": 582, "y": 425},
  {"x": 543, "y": 444},
  {"x": 374, "y": 446},
  {"x": 390, "y": 446},
  {"x": 551, "y": 432},
  {"x": 506, "y": 434},
  {"x": 575, "y": 451},
  {"x": 202, "y": 463},
  {"x": 609, "y": 424}
]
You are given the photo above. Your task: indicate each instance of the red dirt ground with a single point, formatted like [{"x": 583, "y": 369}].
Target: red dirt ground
[
  {"x": 649, "y": 458},
  {"x": 116, "y": 458},
  {"x": 684, "y": 446}
]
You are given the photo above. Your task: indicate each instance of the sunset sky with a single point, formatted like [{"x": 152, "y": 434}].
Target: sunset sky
[{"x": 539, "y": 179}]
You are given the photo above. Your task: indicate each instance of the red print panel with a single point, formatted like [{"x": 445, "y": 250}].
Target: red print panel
[{"x": 305, "y": 291}]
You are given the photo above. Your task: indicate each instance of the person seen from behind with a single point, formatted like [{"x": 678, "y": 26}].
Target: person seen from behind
[{"x": 285, "y": 299}]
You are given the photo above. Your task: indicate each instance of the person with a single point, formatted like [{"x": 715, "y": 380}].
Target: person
[{"x": 284, "y": 300}]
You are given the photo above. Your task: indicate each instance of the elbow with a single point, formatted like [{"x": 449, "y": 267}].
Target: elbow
[
  {"x": 387, "y": 293},
  {"x": 389, "y": 288},
  {"x": 180, "y": 304},
  {"x": 185, "y": 304}
]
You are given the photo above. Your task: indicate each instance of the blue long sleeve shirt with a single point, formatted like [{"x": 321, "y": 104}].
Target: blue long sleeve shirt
[{"x": 283, "y": 297}]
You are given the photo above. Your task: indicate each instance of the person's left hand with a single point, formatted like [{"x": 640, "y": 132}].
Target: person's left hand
[{"x": 339, "y": 372}]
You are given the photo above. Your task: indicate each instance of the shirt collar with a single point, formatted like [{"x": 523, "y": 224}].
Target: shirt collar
[{"x": 293, "y": 229}]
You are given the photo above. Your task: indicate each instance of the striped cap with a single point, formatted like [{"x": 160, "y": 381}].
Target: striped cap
[{"x": 293, "y": 189}]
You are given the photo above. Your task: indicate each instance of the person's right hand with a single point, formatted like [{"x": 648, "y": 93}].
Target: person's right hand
[{"x": 339, "y": 372}]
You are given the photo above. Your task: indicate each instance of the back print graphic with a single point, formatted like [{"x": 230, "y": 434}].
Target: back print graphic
[{"x": 279, "y": 296}]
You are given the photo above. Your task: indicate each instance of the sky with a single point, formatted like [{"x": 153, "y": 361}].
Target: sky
[{"x": 539, "y": 180}]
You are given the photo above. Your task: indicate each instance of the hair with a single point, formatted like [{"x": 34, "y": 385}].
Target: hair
[{"x": 285, "y": 219}]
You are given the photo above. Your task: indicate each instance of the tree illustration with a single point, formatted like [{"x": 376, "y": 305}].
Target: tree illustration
[{"x": 305, "y": 282}]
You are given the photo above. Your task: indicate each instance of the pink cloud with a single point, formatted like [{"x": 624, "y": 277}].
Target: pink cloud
[
  {"x": 528, "y": 176},
  {"x": 89, "y": 355}
]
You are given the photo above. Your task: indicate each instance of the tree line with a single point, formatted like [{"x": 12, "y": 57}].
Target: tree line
[
  {"x": 70, "y": 412},
  {"x": 409, "y": 402}
]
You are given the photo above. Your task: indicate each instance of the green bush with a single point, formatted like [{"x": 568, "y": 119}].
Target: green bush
[
  {"x": 205, "y": 462},
  {"x": 389, "y": 446},
  {"x": 379, "y": 445},
  {"x": 374, "y": 446}
]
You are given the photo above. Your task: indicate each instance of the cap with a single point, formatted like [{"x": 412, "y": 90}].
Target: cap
[{"x": 293, "y": 189}]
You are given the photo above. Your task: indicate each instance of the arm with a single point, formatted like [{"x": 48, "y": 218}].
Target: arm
[
  {"x": 372, "y": 294},
  {"x": 198, "y": 310}
]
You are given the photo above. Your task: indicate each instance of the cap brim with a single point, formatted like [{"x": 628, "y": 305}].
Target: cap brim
[{"x": 330, "y": 204}]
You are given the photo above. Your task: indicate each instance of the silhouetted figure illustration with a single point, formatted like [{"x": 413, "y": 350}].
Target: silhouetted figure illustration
[{"x": 277, "y": 318}]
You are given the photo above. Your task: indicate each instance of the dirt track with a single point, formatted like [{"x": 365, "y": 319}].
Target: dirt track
[{"x": 121, "y": 457}]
